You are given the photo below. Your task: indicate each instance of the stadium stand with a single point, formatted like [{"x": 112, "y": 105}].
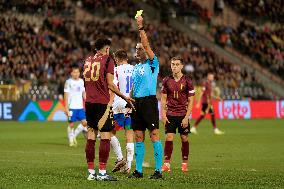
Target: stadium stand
[
  {"x": 272, "y": 10},
  {"x": 48, "y": 51},
  {"x": 266, "y": 46}
]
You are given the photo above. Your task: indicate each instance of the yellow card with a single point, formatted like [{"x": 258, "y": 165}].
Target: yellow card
[{"x": 138, "y": 13}]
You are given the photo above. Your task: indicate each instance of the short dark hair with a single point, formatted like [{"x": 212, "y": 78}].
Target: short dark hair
[
  {"x": 177, "y": 58},
  {"x": 100, "y": 43},
  {"x": 120, "y": 54},
  {"x": 74, "y": 67}
]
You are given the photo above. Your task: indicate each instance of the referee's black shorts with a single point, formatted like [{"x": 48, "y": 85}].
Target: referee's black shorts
[
  {"x": 146, "y": 115},
  {"x": 99, "y": 117}
]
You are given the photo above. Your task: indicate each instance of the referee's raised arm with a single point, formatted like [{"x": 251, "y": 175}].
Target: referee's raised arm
[{"x": 144, "y": 38}]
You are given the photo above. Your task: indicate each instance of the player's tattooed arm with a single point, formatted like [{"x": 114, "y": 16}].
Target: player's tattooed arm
[
  {"x": 144, "y": 38},
  {"x": 164, "y": 108},
  {"x": 66, "y": 96},
  {"x": 113, "y": 88}
]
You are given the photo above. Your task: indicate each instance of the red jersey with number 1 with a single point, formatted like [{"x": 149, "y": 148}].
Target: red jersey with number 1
[
  {"x": 177, "y": 94},
  {"x": 95, "y": 69}
]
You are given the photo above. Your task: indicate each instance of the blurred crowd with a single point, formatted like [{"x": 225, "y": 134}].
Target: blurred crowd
[
  {"x": 43, "y": 7},
  {"x": 182, "y": 9},
  {"x": 264, "y": 45},
  {"x": 109, "y": 7},
  {"x": 268, "y": 9},
  {"x": 28, "y": 52},
  {"x": 42, "y": 54},
  {"x": 166, "y": 42}
]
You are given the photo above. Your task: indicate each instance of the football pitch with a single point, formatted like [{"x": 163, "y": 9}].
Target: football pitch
[{"x": 249, "y": 155}]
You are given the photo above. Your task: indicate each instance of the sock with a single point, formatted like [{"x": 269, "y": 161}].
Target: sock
[
  {"x": 103, "y": 154},
  {"x": 213, "y": 121},
  {"x": 116, "y": 148},
  {"x": 78, "y": 130},
  {"x": 198, "y": 120},
  {"x": 185, "y": 151},
  {"x": 90, "y": 153},
  {"x": 102, "y": 171},
  {"x": 158, "y": 155},
  {"x": 70, "y": 132},
  {"x": 92, "y": 171},
  {"x": 130, "y": 153},
  {"x": 139, "y": 155},
  {"x": 168, "y": 151}
]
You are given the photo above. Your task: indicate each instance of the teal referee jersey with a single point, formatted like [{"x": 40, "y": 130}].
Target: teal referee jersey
[{"x": 145, "y": 78}]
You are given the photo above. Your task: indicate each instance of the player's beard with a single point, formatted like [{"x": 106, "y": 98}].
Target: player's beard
[
  {"x": 141, "y": 58},
  {"x": 137, "y": 59}
]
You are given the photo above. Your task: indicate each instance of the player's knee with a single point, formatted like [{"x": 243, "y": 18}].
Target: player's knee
[
  {"x": 129, "y": 137},
  {"x": 169, "y": 137},
  {"x": 71, "y": 125},
  {"x": 105, "y": 135},
  {"x": 155, "y": 135},
  {"x": 139, "y": 138},
  {"x": 91, "y": 134},
  {"x": 84, "y": 123},
  {"x": 184, "y": 138}
]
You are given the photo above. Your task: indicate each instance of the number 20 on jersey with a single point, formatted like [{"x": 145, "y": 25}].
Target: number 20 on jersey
[{"x": 92, "y": 71}]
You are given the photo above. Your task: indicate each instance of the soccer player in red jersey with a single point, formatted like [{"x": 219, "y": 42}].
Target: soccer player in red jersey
[
  {"x": 176, "y": 100},
  {"x": 206, "y": 99},
  {"x": 98, "y": 78}
]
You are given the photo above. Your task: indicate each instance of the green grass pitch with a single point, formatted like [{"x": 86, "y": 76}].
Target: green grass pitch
[{"x": 249, "y": 155}]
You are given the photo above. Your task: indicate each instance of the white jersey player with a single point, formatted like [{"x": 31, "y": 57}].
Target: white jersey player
[
  {"x": 123, "y": 80},
  {"x": 122, "y": 119},
  {"x": 74, "y": 95}
]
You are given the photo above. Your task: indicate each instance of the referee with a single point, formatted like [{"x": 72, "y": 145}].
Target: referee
[{"x": 146, "y": 115}]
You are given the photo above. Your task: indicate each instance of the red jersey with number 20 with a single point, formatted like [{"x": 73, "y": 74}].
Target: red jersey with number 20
[
  {"x": 177, "y": 94},
  {"x": 95, "y": 69}
]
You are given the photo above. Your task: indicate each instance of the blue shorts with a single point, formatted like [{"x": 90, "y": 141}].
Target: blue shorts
[
  {"x": 77, "y": 115},
  {"x": 122, "y": 121}
]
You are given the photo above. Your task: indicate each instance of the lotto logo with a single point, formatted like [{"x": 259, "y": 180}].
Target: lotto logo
[
  {"x": 234, "y": 110},
  {"x": 280, "y": 109}
]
